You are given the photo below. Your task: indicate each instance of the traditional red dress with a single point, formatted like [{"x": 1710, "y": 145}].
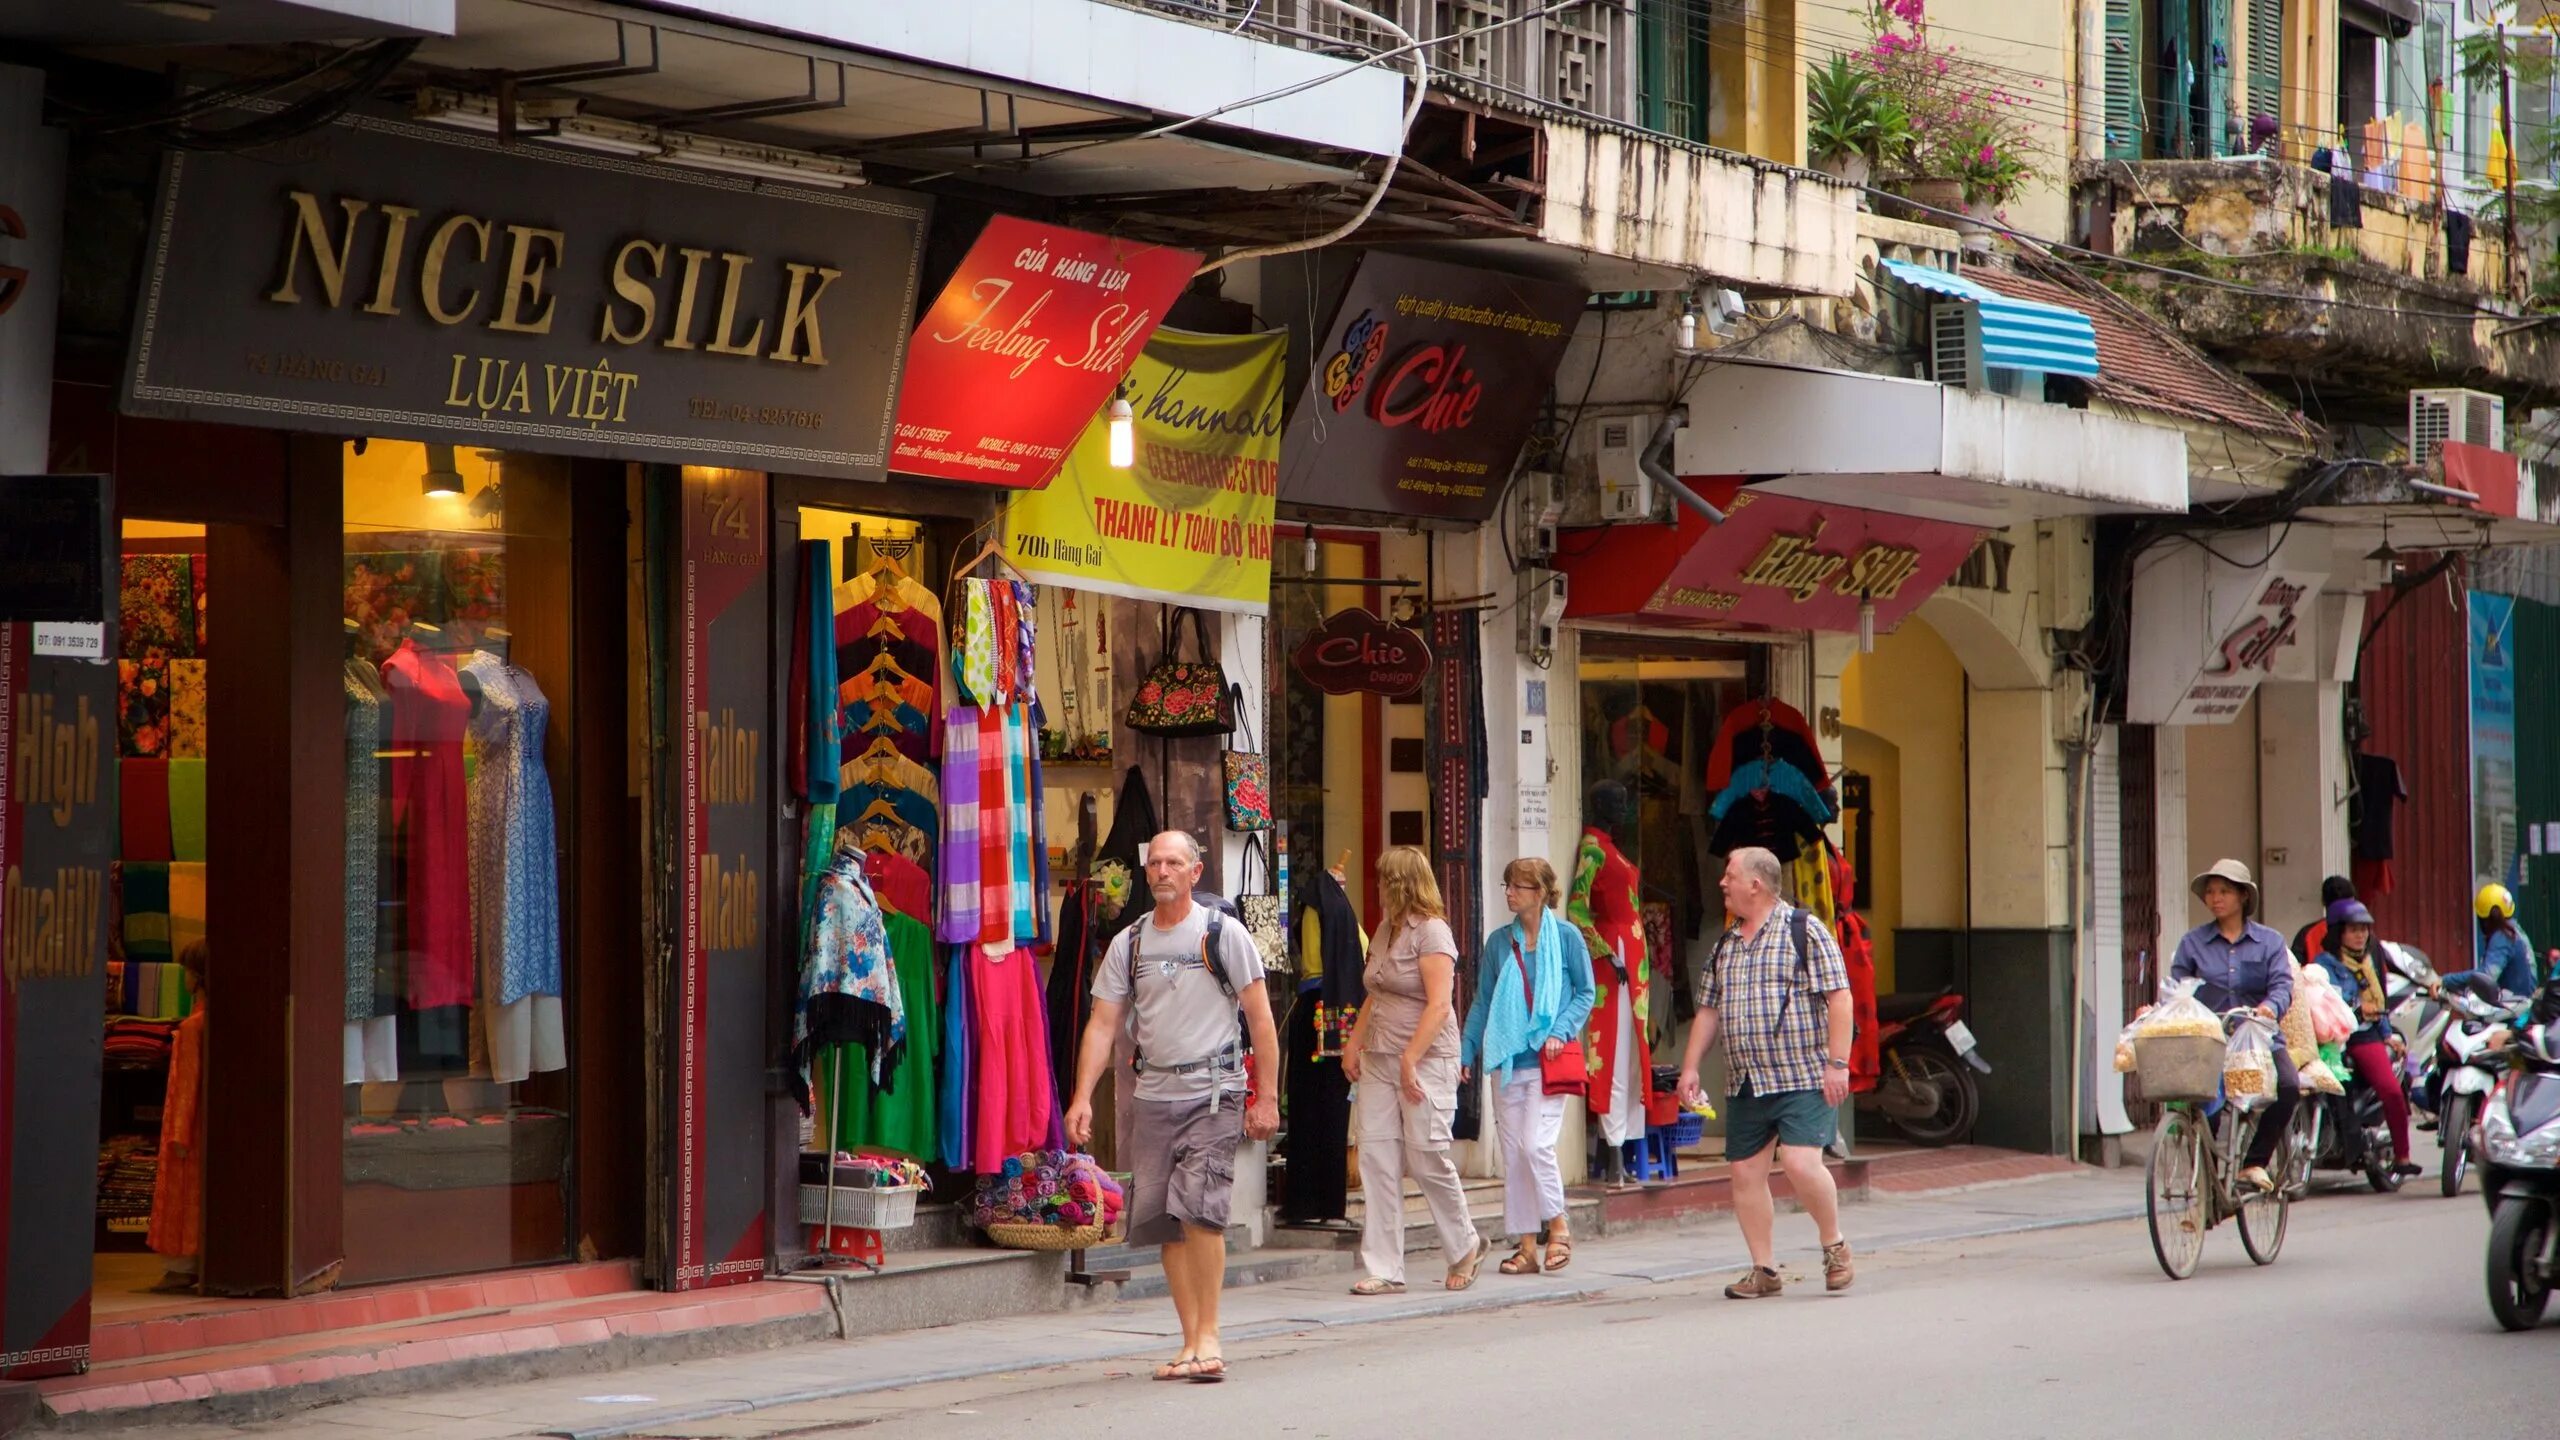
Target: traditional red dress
[{"x": 1603, "y": 906}]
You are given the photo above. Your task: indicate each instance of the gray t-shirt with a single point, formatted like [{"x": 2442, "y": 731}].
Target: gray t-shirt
[{"x": 1181, "y": 1013}]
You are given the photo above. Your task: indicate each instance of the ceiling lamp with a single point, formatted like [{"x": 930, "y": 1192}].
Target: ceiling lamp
[{"x": 442, "y": 478}]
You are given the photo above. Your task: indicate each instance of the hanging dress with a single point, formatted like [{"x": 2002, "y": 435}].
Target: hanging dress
[
  {"x": 901, "y": 1114},
  {"x": 430, "y": 849},
  {"x": 1603, "y": 906},
  {"x": 371, "y": 1046},
  {"x": 515, "y": 875}
]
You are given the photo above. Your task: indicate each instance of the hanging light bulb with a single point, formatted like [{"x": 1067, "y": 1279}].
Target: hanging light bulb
[
  {"x": 1123, "y": 425},
  {"x": 1314, "y": 557},
  {"x": 441, "y": 478},
  {"x": 1866, "y": 626}
]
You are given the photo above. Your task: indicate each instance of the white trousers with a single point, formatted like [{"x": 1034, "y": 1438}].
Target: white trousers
[
  {"x": 1624, "y": 1119},
  {"x": 1532, "y": 1182}
]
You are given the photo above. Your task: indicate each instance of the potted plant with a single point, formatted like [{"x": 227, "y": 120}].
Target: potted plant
[
  {"x": 1989, "y": 170},
  {"x": 1967, "y": 135},
  {"x": 1851, "y": 121}
]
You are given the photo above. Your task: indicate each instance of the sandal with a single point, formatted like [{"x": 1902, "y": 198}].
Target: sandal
[
  {"x": 1559, "y": 1252},
  {"x": 1182, "y": 1369},
  {"x": 1209, "y": 1370},
  {"x": 1463, "y": 1274},
  {"x": 1523, "y": 1261},
  {"x": 1375, "y": 1286}
]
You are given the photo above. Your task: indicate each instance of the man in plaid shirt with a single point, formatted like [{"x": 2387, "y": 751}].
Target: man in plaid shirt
[{"x": 1776, "y": 990}]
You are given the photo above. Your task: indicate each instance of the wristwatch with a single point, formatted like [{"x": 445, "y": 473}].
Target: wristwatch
[{"x": 1835, "y": 1064}]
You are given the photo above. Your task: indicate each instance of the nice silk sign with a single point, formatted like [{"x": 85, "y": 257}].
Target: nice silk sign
[{"x": 1023, "y": 347}]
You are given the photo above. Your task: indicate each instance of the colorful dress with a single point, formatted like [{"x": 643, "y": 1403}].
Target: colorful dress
[
  {"x": 429, "y": 825},
  {"x": 515, "y": 874},
  {"x": 849, "y": 984},
  {"x": 1603, "y": 905},
  {"x": 177, "y": 1193}
]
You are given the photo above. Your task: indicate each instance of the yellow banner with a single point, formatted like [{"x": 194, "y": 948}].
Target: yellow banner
[{"x": 1190, "y": 522}]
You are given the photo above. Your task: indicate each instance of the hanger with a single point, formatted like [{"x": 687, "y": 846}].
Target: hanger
[
  {"x": 881, "y": 810},
  {"x": 993, "y": 549}
]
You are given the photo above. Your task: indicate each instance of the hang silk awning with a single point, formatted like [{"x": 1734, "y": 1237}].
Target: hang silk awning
[{"x": 2016, "y": 334}]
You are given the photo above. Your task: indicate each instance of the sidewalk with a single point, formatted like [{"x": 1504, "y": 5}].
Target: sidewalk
[{"x": 653, "y": 1397}]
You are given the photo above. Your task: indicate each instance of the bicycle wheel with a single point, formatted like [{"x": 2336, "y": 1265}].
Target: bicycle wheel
[
  {"x": 2263, "y": 1216},
  {"x": 2174, "y": 1195}
]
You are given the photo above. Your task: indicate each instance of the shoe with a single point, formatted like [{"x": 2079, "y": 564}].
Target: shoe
[
  {"x": 1837, "y": 1273},
  {"x": 2407, "y": 1169},
  {"x": 1758, "y": 1282},
  {"x": 2255, "y": 1178},
  {"x": 1463, "y": 1274}
]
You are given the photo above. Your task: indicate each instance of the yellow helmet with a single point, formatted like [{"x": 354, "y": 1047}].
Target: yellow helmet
[{"x": 2493, "y": 903}]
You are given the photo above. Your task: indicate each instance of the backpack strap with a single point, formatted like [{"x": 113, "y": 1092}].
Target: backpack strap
[{"x": 1798, "y": 926}]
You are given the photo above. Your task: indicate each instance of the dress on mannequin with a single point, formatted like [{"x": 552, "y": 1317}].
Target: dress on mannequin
[
  {"x": 373, "y": 998},
  {"x": 1604, "y": 906},
  {"x": 515, "y": 897},
  {"x": 429, "y": 874}
]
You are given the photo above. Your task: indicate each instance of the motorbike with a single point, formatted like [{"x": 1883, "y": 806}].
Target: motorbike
[
  {"x": 2466, "y": 1070},
  {"x": 2520, "y": 1180},
  {"x": 2341, "y": 1132},
  {"x": 1928, "y": 1092}
]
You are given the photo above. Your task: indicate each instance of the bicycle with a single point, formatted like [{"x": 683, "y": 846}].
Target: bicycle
[{"x": 2194, "y": 1185}]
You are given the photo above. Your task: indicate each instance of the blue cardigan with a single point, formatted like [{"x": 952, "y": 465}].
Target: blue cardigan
[{"x": 1494, "y": 967}]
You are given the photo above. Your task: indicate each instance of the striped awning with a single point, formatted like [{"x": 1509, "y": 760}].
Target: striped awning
[{"x": 2016, "y": 334}]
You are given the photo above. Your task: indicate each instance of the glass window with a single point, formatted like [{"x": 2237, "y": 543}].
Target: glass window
[{"x": 457, "y": 630}]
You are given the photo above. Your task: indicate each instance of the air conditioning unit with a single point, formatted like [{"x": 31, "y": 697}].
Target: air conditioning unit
[
  {"x": 2467, "y": 417},
  {"x": 1955, "y": 344}
]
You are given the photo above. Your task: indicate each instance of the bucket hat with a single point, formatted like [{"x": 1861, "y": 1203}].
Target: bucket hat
[{"x": 2228, "y": 870}]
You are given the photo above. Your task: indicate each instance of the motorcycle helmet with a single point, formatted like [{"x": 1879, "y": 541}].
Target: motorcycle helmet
[
  {"x": 2494, "y": 903},
  {"x": 2349, "y": 911}
]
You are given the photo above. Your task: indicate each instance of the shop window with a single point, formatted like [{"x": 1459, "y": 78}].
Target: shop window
[{"x": 457, "y": 627}]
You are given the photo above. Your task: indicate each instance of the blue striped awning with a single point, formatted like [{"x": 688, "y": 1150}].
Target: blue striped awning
[{"x": 2016, "y": 334}]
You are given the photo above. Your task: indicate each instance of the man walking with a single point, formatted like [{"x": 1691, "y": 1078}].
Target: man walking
[
  {"x": 1778, "y": 992},
  {"x": 1191, "y": 1110}
]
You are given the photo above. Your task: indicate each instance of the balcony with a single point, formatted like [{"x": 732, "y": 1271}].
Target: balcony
[{"x": 2354, "y": 316}]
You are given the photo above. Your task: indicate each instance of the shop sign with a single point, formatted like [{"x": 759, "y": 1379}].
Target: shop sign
[
  {"x": 1023, "y": 348},
  {"x": 725, "y": 692},
  {"x": 2493, "y": 735},
  {"x": 57, "y": 549},
  {"x": 1425, "y": 387},
  {"x": 1190, "y": 522},
  {"x": 379, "y": 277},
  {"x": 31, "y": 171},
  {"x": 1355, "y": 652},
  {"x": 1776, "y": 562},
  {"x": 59, "y": 829},
  {"x": 2251, "y": 623}
]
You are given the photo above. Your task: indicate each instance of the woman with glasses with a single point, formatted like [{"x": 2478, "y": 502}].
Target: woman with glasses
[{"x": 1533, "y": 994}]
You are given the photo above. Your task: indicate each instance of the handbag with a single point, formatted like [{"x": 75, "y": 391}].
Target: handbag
[
  {"x": 1568, "y": 1070},
  {"x": 1259, "y": 911},
  {"x": 1248, "y": 776},
  {"x": 1180, "y": 699}
]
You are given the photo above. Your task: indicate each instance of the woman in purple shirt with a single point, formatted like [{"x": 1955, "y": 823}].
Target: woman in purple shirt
[{"x": 2239, "y": 964}]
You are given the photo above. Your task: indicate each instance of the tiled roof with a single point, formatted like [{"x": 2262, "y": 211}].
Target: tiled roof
[{"x": 2143, "y": 364}]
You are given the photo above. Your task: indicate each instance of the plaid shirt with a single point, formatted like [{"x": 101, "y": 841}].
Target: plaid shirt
[{"x": 1776, "y": 1026}]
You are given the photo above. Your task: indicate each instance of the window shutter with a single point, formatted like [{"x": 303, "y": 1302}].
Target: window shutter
[
  {"x": 2266, "y": 58},
  {"x": 2221, "y": 61},
  {"x": 2124, "y": 103}
]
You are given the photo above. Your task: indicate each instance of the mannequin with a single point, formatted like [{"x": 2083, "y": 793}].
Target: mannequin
[{"x": 1603, "y": 905}]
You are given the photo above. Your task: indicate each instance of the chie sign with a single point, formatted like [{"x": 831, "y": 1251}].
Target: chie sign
[
  {"x": 1423, "y": 391},
  {"x": 378, "y": 277},
  {"x": 1023, "y": 346},
  {"x": 1190, "y": 522},
  {"x": 1355, "y": 652}
]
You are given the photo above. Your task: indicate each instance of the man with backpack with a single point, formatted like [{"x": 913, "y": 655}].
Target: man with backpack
[
  {"x": 1777, "y": 991},
  {"x": 1186, "y": 972}
]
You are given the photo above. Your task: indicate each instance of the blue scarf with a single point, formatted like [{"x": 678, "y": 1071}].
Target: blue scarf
[{"x": 1514, "y": 1025}]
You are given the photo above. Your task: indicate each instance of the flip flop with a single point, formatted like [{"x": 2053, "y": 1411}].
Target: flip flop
[
  {"x": 1177, "y": 1369},
  {"x": 1376, "y": 1286},
  {"x": 1201, "y": 1374},
  {"x": 1463, "y": 1274}
]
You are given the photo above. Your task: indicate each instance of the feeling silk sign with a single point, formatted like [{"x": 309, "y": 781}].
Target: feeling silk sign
[{"x": 1190, "y": 521}]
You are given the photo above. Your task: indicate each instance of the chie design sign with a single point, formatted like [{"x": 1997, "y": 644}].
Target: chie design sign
[
  {"x": 1354, "y": 651},
  {"x": 377, "y": 277},
  {"x": 1424, "y": 389},
  {"x": 1190, "y": 522},
  {"x": 1023, "y": 346}
]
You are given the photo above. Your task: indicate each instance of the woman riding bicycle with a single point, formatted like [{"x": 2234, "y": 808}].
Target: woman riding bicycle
[
  {"x": 2354, "y": 959},
  {"x": 2240, "y": 964}
]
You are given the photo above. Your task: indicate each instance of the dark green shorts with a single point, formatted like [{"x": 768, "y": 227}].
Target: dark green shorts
[{"x": 1790, "y": 1117}]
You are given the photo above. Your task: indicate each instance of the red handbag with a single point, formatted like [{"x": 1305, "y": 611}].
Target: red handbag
[{"x": 1567, "y": 1071}]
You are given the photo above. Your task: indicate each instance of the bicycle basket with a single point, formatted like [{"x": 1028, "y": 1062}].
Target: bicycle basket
[{"x": 2178, "y": 1067}]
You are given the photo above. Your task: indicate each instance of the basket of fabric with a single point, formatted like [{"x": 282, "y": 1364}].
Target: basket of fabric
[
  {"x": 2179, "y": 1067},
  {"x": 1047, "y": 1200}
]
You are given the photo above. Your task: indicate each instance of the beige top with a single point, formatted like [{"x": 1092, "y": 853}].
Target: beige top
[{"x": 1394, "y": 978}]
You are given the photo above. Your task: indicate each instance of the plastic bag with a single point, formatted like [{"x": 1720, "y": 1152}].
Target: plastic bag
[
  {"x": 2249, "y": 1065},
  {"x": 2180, "y": 1013},
  {"x": 2124, "y": 1061},
  {"x": 2332, "y": 1019},
  {"x": 2298, "y": 1037},
  {"x": 2319, "y": 1078}
]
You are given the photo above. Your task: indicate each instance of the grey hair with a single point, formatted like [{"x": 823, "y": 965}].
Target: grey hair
[
  {"x": 1760, "y": 864},
  {"x": 1189, "y": 843}
]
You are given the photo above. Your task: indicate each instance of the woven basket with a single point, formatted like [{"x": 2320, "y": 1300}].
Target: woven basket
[
  {"x": 889, "y": 1208},
  {"x": 2179, "y": 1067},
  {"x": 1048, "y": 1237}
]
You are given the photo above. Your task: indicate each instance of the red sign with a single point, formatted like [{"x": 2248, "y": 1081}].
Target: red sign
[
  {"x": 2490, "y": 475},
  {"x": 1024, "y": 346},
  {"x": 1775, "y": 563},
  {"x": 1355, "y": 651}
]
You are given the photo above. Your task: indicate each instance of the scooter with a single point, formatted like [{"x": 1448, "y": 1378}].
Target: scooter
[
  {"x": 2342, "y": 1132},
  {"x": 1928, "y": 1093},
  {"x": 2520, "y": 1180},
  {"x": 2466, "y": 1070}
]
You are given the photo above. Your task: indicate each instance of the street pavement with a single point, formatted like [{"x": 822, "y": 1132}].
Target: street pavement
[{"x": 2018, "y": 1310}]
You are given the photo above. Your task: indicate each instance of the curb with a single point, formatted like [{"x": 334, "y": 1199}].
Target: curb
[{"x": 1266, "y": 1329}]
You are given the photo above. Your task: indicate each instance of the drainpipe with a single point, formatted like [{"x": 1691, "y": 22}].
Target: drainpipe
[{"x": 1657, "y": 451}]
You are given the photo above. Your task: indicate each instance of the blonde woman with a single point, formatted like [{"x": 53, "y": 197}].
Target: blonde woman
[
  {"x": 1403, "y": 1056},
  {"x": 1533, "y": 994}
]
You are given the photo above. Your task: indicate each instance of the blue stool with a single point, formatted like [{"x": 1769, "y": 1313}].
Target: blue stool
[{"x": 1655, "y": 1157}]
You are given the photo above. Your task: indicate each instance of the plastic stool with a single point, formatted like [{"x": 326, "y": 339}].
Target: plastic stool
[
  {"x": 1654, "y": 1157},
  {"x": 863, "y": 1247}
]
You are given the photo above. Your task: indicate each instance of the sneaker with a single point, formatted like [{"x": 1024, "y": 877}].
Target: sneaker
[
  {"x": 2255, "y": 1178},
  {"x": 2407, "y": 1169},
  {"x": 1759, "y": 1281},
  {"x": 1837, "y": 1273}
]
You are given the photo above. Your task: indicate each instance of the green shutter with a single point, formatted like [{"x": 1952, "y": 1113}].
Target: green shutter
[
  {"x": 2220, "y": 59},
  {"x": 2124, "y": 102},
  {"x": 2266, "y": 58}
]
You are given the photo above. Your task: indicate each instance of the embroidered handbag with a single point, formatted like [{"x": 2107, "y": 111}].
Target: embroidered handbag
[
  {"x": 1180, "y": 699},
  {"x": 1248, "y": 775},
  {"x": 1260, "y": 911},
  {"x": 1568, "y": 1070}
]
